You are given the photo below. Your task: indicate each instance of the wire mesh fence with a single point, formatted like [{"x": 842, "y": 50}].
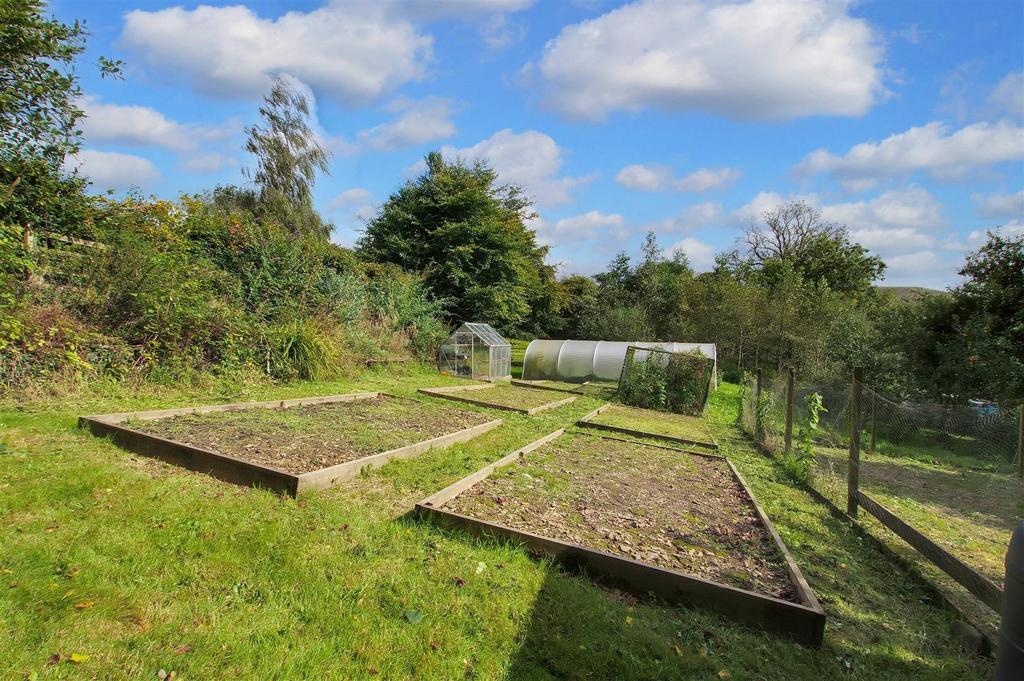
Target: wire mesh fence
[{"x": 943, "y": 481}]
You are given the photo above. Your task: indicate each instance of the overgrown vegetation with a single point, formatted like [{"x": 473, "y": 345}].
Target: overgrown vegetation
[{"x": 679, "y": 382}]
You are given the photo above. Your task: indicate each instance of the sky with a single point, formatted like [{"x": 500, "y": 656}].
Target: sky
[{"x": 901, "y": 120}]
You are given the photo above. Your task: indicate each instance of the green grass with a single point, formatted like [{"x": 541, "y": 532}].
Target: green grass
[
  {"x": 186, "y": 573},
  {"x": 657, "y": 422},
  {"x": 518, "y": 355}
]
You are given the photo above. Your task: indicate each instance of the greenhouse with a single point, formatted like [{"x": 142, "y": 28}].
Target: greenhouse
[
  {"x": 577, "y": 361},
  {"x": 476, "y": 351}
]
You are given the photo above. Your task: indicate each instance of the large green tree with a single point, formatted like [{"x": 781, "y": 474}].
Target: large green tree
[
  {"x": 795, "y": 237},
  {"x": 468, "y": 235}
]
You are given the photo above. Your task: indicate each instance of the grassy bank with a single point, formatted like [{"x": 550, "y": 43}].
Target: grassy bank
[{"x": 134, "y": 566}]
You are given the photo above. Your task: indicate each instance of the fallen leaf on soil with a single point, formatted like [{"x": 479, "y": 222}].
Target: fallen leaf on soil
[
  {"x": 459, "y": 581},
  {"x": 54, "y": 659},
  {"x": 78, "y": 658},
  {"x": 83, "y": 605},
  {"x": 724, "y": 675},
  {"x": 181, "y": 650},
  {"x": 480, "y": 567},
  {"x": 413, "y": 616}
]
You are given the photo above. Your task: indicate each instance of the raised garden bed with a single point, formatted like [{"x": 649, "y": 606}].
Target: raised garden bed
[
  {"x": 677, "y": 429},
  {"x": 291, "y": 446},
  {"x": 500, "y": 395},
  {"x": 644, "y": 518}
]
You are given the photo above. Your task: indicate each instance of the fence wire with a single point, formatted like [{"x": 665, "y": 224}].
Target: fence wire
[{"x": 951, "y": 472}]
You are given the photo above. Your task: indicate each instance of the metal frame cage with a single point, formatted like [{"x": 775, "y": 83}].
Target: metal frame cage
[{"x": 476, "y": 351}]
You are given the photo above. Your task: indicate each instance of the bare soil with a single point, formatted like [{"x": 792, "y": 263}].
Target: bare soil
[
  {"x": 663, "y": 507},
  {"x": 307, "y": 438}
]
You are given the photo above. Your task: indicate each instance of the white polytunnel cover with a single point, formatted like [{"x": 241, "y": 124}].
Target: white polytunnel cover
[{"x": 577, "y": 361}]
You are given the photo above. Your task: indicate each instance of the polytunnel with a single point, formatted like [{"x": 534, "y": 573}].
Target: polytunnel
[{"x": 576, "y": 361}]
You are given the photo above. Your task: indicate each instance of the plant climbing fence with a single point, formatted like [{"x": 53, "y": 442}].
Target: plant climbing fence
[{"x": 943, "y": 485}]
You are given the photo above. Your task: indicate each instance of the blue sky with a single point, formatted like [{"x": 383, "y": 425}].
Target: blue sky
[{"x": 902, "y": 120}]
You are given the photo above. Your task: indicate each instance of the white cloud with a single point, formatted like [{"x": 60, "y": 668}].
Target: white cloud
[
  {"x": 700, "y": 254},
  {"x": 1008, "y": 96},
  {"x": 530, "y": 159},
  {"x": 692, "y": 217},
  {"x": 912, "y": 207},
  {"x": 656, "y": 178},
  {"x": 209, "y": 163},
  {"x": 648, "y": 178},
  {"x": 920, "y": 268},
  {"x": 1000, "y": 205},
  {"x": 706, "y": 179},
  {"x": 590, "y": 225},
  {"x": 417, "y": 122},
  {"x": 930, "y": 147},
  {"x": 135, "y": 125},
  {"x": 356, "y": 195},
  {"x": 111, "y": 170},
  {"x": 1014, "y": 228},
  {"x": 764, "y": 59},
  {"x": 353, "y": 52}
]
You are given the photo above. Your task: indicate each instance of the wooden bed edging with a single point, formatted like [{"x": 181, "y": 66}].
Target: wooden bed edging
[
  {"x": 585, "y": 422},
  {"x": 537, "y": 386},
  {"x": 981, "y": 586},
  {"x": 242, "y": 472},
  {"x": 691, "y": 452},
  {"x": 803, "y": 622},
  {"x": 447, "y": 393}
]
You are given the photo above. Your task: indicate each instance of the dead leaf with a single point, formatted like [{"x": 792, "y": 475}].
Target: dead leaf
[
  {"x": 83, "y": 605},
  {"x": 181, "y": 650},
  {"x": 78, "y": 658},
  {"x": 724, "y": 675},
  {"x": 460, "y": 582},
  {"x": 54, "y": 659}
]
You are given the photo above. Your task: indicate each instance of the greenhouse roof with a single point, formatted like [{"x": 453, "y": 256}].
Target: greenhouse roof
[{"x": 486, "y": 333}]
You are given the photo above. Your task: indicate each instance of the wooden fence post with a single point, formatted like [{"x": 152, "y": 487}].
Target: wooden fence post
[
  {"x": 790, "y": 402},
  {"x": 757, "y": 408},
  {"x": 853, "y": 467}
]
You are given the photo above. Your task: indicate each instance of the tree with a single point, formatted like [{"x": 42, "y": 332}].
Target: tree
[
  {"x": 38, "y": 86},
  {"x": 288, "y": 156},
  {"x": 469, "y": 237},
  {"x": 821, "y": 252}
]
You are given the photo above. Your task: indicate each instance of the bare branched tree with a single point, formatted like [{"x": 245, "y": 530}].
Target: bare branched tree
[{"x": 787, "y": 232}]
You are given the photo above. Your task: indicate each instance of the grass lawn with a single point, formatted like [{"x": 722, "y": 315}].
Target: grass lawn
[
  {"x": 657, "y": 422},
  {"x": 970, "y": 512},
  {"x": 122, "y": 566},
  {"x": 508, "y": 395}
]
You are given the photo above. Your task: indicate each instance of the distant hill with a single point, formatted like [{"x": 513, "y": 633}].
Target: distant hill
[{"x": 910, "y": 293}]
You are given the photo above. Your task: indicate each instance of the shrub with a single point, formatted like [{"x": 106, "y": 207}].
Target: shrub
[{"x": 679, "y": 382}]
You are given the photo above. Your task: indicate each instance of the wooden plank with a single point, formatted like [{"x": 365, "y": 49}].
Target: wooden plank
[
  {"x": 986, "y": 591},
  {"x": 483, "y": 385},
  {"x": 449, "y": 394},
  {"x": 242, "y": 472},
  {"x": 694, "y": 452},
  {"x": 549, "y": 405},
  {"x": 804, "y": 623},
  {"x": 644, "y": 433},
  {"x": 853, "y": 465},
  {"x": 454, "y": 489},
  {"x": 328, "y": 477},
  {"x": 538, "y": 386},
  {"x": 804, "y": 589},
  {"x": 235, "y": 406},
  {"x": 220, "y": 466}
]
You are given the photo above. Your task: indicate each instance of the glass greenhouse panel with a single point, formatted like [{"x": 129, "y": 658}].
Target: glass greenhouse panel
[{"x": 476, "y": 351}]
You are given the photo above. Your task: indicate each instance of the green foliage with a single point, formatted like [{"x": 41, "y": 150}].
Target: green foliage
[
  {"x": 288, "y": 157},
  {"x": 678, "y": 382},
  {"x": 36, "y": 194},
  {"x": 468, "y": 238},
  {"x": 800, "y": 461}
]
